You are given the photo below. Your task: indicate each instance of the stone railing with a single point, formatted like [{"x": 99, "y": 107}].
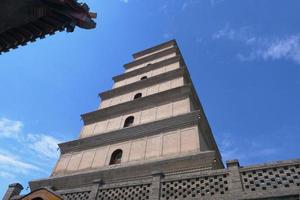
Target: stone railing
[{"x": 280, "y": 180}]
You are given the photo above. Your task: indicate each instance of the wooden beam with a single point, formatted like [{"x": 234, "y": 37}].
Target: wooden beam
[
  {"x": 20, "y": 38},
  {"x": 35, "y": 29},
  {"x": 59, "y": 25},
  {"x": 11, "y": 40}
]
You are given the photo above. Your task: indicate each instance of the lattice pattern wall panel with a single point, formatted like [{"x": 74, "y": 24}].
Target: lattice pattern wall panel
[
  {"x": 139, "y": 192},
  {"x": 76, "y": 195},
  {"x": 267, "y": 179},
  {"x": 195, "y": 188}
]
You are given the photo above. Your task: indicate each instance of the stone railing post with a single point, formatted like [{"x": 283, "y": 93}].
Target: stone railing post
[
  {"x": 236, "y": 185},
  {"x": 155, "y": 186},
  {"x": 13, "y": 189},
  {"x": 94, "y": 192}
]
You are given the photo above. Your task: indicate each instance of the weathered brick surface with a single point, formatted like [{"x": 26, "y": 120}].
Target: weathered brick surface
[{"x": 272, "y": 181}]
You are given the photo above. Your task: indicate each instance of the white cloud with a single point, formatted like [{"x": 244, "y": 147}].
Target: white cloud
[
  {"x": 242, "y": 34},
  {"x": 124, "y": 1},
  {"x": 10, "y": 128},
  {"x": 285, "y": 48},
  {"x": 232, "y": 149},
  {"x": 7, "y": 175},
  {"x": 42, "y": 144},
  {"x": 262, "y": 48},
  {"x": 10, "y": 161},
  {"x": 45, "y": 145},
  {"x": 38, "y": 148}
]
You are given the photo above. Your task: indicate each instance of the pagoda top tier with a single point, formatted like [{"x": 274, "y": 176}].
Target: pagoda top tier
[{"x": 155, "y": 49}]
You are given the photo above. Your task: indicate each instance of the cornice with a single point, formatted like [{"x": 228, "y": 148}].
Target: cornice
[
  {"x": 122, "y": 173},
  {"x": 136, "y": 104},
  {"x": 144, "y": 83},
  {"x": 134, "y": 132},
  {"x": 155, "y": 48},
  {"x": 152, "y": 57},
  {"x": 148, "y": 68},
  {"x": 283, "y": 163}
]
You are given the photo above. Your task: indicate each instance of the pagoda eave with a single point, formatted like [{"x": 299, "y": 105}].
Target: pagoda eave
[{"x": 25, "y": 21}]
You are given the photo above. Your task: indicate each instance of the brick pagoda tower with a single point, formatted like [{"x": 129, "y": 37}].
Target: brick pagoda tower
[
  {"x": 150, "y": 122},
  {"x": 150, "y": 139}
]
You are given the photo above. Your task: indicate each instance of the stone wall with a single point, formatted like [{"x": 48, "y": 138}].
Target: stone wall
[
  {"x": 274, "y": 181},
  {"x": 280, "y": 180}
]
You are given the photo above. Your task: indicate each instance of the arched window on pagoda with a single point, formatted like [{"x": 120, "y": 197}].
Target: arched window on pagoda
[
  {"x": 144, "y": 77},
  {"x": 129, "y": 121},
  {"x": 138, "y": 95},
  {"x": 116, "y": 157}
]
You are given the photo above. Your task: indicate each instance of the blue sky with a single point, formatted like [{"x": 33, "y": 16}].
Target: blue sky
[{"x": 243, "y": 56}]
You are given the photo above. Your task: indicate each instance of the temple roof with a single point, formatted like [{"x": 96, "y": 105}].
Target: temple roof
[
  {"x": 25, "y": 21},
  {"x": 42, "y": 193}
]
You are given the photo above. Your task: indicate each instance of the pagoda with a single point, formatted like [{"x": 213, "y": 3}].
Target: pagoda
[{"x": 150, "y": 139}]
